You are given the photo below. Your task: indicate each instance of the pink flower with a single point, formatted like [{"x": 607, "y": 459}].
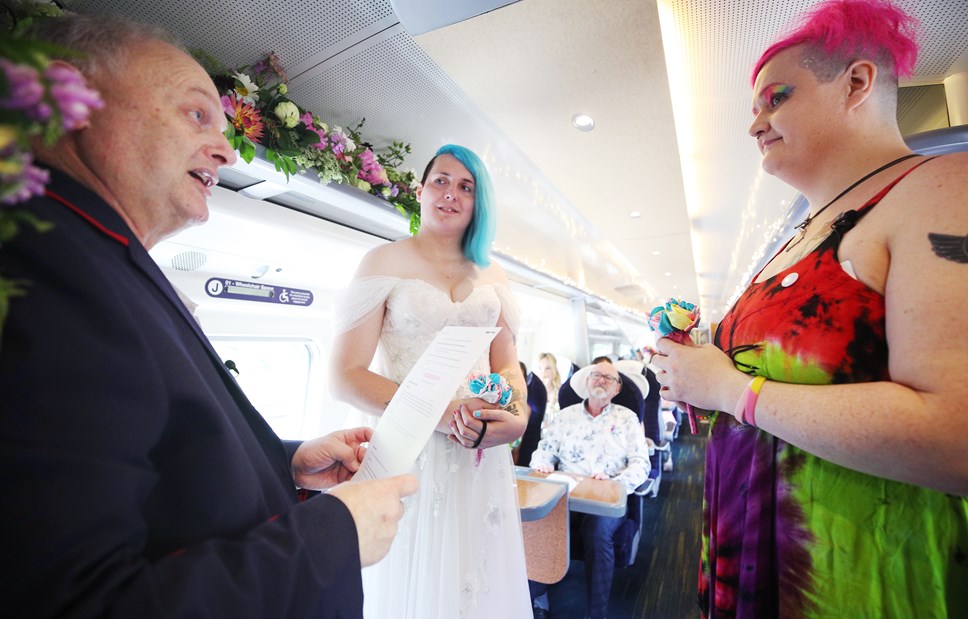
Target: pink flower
[
  {"x": 370, "y": 169},
  {"x": 307, "y": 119}
]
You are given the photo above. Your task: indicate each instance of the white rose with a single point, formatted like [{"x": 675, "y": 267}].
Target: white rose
[{"x": 288, "y": 113}]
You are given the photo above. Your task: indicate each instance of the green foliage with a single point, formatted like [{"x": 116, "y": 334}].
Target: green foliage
[
  {"x": 255, "y": 94},
  {"x": 12, "y": 219}
]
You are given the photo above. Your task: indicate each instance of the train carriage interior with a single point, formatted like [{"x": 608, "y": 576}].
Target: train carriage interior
[{"x": 659, "y": 193}]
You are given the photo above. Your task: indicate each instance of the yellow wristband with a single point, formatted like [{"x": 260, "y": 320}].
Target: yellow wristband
[{"x": 753, "y": 392}]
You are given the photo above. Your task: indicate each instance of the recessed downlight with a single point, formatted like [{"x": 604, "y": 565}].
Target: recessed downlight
[
  {"x": 583, "y": 122},
  {"x": 635, "y": 214}
]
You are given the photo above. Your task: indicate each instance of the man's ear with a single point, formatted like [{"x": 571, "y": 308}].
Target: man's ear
[{"x": 861, "y": 77}]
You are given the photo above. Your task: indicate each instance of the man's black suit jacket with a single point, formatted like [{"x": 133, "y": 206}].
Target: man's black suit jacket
[{"x": 137, "y": 479}]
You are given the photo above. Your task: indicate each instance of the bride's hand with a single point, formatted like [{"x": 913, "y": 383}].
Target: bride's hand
[
  {"x": 446, "y": 422},
  {"x": 501, "y": 428}
]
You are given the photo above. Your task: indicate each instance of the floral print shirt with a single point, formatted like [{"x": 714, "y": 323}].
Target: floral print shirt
[{"x": 612, "y": 443}]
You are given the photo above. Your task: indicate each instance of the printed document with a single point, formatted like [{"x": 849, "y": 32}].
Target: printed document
[{"x": 410, "y": 418}]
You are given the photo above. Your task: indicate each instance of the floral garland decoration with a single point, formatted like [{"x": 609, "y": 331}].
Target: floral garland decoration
[
  {"x": 39, "y": 99},
  {"x": 256, "y": 102}
]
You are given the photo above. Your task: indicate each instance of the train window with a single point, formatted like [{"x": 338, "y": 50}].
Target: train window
[
  {"x": 547, "y": 324},
  {"x": 275, "y": 376}
]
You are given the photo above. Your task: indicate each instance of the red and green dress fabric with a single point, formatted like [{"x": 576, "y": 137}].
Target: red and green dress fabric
[{"x": 789, "y": 535}]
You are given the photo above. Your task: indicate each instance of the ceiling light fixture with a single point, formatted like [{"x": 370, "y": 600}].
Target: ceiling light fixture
[
  {"x": 583, "y": 122},
  {"x": 635, "y": 214}
]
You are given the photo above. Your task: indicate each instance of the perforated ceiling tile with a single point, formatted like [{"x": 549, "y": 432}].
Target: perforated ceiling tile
[
  {"x": 400, "y": 91},
  {"x": 944, "y": 42},
  {"x": 735, "y": 32},
  {"x": 239, "y": 32}
]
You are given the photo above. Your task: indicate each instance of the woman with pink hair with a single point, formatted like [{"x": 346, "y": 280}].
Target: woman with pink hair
[{"x": 836, "y": 471}]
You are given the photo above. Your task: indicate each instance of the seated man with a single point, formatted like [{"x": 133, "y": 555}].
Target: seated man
[{"x": 601, "y": 440}]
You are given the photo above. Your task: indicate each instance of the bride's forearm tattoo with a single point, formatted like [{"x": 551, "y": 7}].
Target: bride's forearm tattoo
[{"x": 517, "y": 397}]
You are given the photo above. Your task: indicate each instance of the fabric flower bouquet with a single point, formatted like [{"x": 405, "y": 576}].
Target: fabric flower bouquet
[
  {"x": 493, "y": 389},
  {"x": 674, "y": 319}
]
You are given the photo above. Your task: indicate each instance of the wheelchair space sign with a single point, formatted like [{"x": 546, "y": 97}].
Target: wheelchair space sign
[{"x": 223, "y": 288}]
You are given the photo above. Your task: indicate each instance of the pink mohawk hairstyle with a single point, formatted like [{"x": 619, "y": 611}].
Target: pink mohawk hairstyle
[{"x": 843, "y": 28}]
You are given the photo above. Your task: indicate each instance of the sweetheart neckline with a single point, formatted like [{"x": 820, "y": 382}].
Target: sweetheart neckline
[{"x": 444, "y": 293}]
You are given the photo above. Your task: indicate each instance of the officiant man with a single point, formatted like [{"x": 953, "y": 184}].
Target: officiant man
[{"x": 138, "y": 479}]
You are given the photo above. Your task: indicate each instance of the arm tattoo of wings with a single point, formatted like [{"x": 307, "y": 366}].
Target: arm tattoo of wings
[{"x": 950, "y": 247}]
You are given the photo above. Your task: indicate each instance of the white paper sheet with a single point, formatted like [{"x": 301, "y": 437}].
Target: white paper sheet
[{"x": 411, "y": 416}]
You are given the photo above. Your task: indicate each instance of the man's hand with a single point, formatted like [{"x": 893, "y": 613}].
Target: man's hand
[
  {"x": 376, "y": 508},
  {"x": 323, "y": 462}
]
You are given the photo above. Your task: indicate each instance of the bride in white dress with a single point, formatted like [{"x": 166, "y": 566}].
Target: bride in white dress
[{"x": 458, "y": 552}]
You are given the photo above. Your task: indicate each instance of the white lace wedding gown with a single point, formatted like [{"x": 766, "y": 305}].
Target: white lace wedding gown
[{"x": 459, "y": 551}]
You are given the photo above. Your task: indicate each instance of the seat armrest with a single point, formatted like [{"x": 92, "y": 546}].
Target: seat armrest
[{"x": 644, "y": 488}]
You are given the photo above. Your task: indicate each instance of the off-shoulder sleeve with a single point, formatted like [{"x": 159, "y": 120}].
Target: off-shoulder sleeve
[
  {"x": 509, "y": 307},
  {"x": 363, "y": 296}
]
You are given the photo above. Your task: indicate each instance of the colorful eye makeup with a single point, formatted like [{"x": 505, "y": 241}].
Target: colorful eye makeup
[{"x": 773, "y": 94}]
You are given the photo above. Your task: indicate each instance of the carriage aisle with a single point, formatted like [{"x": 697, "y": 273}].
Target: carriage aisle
[{"x": 663, "y": 580}]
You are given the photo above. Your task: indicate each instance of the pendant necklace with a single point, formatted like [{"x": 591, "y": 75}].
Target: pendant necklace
[{"x": 802, "y": 226}]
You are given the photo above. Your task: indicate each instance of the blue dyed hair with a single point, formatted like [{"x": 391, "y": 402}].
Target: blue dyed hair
[{"x": 479, "y": 235}]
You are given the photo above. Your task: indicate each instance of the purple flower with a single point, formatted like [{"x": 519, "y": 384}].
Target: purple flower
[
  {"x": 71, "y": 94},
  {"x": 338, "y": 142},
  {"x": 28, "y": 182},
  {"x": 261, "y": 67},
  {"x": 25, "y": 90}
]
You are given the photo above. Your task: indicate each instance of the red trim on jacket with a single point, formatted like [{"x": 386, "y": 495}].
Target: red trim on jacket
[{"x": 114, "y": 235}]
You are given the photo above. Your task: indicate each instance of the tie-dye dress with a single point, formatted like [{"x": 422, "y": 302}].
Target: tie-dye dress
[{"x": 787, "y": 534}]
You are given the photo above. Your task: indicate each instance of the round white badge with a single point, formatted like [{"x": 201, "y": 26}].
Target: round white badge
[{"x": 790, "y": 279}]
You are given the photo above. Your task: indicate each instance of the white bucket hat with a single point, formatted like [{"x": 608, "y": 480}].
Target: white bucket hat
[
  {"x": 579, "y": 381},
  {"x": 632, "y": 369}
]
